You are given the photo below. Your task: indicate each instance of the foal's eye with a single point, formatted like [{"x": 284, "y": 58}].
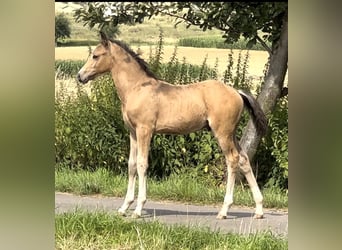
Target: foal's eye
[{"x": 95, "y": 56}]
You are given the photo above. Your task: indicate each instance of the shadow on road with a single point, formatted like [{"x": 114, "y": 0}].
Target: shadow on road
[{"x": 166, "y": 212}]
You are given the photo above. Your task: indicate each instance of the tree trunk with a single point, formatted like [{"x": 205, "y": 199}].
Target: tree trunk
[{"x": 271, "y": 90}]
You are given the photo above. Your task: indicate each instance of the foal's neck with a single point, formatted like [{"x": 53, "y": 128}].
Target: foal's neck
[
  {"x": 127, "y": 74},
  {"x": 127, "y": 71}
]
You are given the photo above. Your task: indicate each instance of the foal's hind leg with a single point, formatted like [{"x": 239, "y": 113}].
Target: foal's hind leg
[
  {"x": 232, "y": 158},
  {"x": 245, "y": 166}
]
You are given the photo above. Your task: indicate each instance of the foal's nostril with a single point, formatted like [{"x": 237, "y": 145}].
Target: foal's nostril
[
  {"x": 83, "y": 80},
  {"x": 79, "y": 77}
]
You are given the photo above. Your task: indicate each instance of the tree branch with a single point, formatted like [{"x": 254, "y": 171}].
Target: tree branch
[
  {"x": 262, "y": 42},
  {"x": 268, "y": 49},
  {"x": 180, "y": 17}
]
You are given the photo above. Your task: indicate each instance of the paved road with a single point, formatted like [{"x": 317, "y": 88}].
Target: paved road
[{"x": 239, "y": 219}]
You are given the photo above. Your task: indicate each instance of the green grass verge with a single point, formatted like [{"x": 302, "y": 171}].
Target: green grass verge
[
  {"x": 184, "y": 188},
  {"x": 84, "y": 230}
]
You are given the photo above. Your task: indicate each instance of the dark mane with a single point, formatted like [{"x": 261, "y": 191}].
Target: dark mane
[{"x": 140, "y": 61}]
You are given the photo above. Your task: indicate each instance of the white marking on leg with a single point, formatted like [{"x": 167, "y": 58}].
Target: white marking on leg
[
  {"x": 143, "y": 141},
  {"x": 245, "y": 166},
  {"x": 129, "y": 199},
  {"x": 228, "y": 198},
  {"x": 257, "y": 196},
  {"x": 142, "y": 167},
  {"x": 132, "y": 169}
]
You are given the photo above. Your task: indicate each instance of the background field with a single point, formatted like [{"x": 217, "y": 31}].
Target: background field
[
  {"x": 257, "y": 59},
  {"x": 146, "y": 34}
]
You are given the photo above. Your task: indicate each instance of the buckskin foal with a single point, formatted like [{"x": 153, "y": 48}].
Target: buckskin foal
[{"x": 151, "y": 106}]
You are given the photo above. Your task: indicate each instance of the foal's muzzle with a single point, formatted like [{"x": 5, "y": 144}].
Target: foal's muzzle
[{"x": 79, "y": 78}]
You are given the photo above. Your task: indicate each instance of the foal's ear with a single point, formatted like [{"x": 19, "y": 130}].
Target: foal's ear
[{"x": 104, "y": 39}]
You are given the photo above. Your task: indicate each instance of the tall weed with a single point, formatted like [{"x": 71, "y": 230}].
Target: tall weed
[{"x": 67, "y": 68}]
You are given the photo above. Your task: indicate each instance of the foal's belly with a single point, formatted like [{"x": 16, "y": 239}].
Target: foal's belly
[
  {"x": 180, "y": 128},
  {"x": 181, "y": 114},
  {"x": 181, "y": 123}
]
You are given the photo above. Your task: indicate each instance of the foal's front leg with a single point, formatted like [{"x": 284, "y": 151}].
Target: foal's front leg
[
  {"x": 144, "y": 135},
  {"x": 132, "y": 172}
]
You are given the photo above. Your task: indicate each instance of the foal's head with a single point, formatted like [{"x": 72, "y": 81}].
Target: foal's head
[{"x": 99, "y": 61}]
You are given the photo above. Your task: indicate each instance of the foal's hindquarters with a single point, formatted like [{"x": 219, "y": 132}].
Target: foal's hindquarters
[{"x": 223, "y": 117}]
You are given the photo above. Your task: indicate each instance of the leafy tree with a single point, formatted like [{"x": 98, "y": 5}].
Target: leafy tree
[
  {"x": 111, "y": 31},
  {"x": 62, "y": 27},
  {"x": 258, "y": 22}
]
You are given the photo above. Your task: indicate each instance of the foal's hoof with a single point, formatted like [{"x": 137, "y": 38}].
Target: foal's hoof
[
  {"x": 122, "y": 213},
  {"x": 136, "y": 216},
  {"x": 258, "y": 216},
  {"x": 221, "y": 217}
]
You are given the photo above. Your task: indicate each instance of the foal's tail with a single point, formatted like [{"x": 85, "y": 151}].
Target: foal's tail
[{"x": 259, "y": 118}]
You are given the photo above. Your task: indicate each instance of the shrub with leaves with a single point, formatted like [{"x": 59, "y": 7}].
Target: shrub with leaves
[
  {"x": 272, "y": 155},
  {"x": 89, "y": 132}
]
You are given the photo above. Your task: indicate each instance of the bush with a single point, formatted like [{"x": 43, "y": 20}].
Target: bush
[
  {"x": 89, "y": 131},
  {"x": 272, "y": 154}
]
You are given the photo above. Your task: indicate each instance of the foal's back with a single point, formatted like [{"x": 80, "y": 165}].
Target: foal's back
[{"x": 187, "y": 108}]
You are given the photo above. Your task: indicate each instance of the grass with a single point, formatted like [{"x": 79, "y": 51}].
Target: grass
[
  {"x": 215, "y": 41},
  {"x": 181, "y": 188},
  {"x": 84, "y": 230}
]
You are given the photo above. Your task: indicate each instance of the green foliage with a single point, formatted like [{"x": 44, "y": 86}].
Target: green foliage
[
  {"x": 274, "y": 150},
  {"x": 111, "y": 31},
  {"x": 177, "y": 72},
  {"x": 279, "y": 125},
  {"x": 246, "y": 19},
  {"x": 62, "y": 27},
  {"x": 156, "y": 60},
  {"x": 238, "y": 79},
  {"x": 89, "y": 131}
]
